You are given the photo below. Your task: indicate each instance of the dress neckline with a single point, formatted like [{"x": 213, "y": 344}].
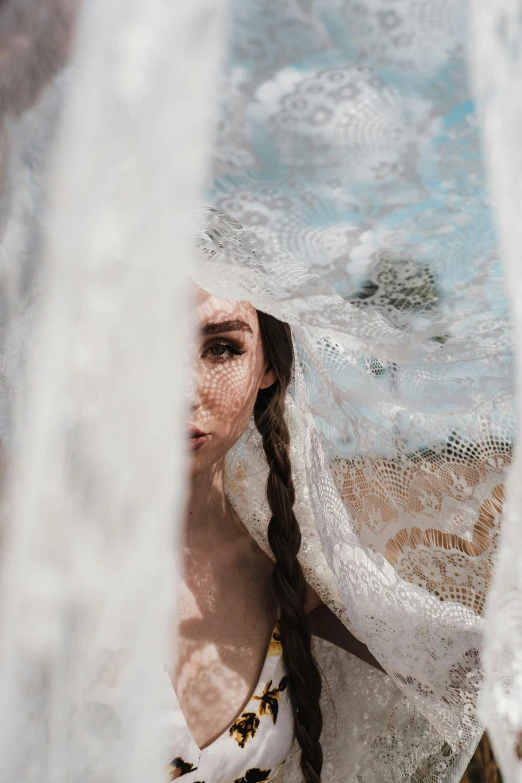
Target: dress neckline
[{"x": 273, "y": 639}]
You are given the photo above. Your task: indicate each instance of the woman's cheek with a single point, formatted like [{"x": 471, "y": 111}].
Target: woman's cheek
[{"x": 233, "y": 398}]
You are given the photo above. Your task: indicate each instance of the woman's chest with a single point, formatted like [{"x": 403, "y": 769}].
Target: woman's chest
[
  {"x": 250, "y": 748},
  {"x": 221, "y": 650}
]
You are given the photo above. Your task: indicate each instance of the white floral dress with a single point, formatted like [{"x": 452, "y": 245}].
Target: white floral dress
[{"x": 253, "y": 748}]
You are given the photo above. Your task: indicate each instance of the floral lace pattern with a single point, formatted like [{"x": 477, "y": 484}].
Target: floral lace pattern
[
  {"x": 356, "y": 145},
  {"x": 400, "y": 519}
]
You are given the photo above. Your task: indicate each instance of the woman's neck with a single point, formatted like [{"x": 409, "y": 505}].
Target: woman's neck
[{"x": 210, "y": 517}]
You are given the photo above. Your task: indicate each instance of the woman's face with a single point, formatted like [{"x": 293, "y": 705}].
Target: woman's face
[{"x": 230, "y": 371}]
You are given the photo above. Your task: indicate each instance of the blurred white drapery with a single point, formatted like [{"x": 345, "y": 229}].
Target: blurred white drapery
[
  {"x": 91, "y": 544},
  {"x": 496, "y": 58}
]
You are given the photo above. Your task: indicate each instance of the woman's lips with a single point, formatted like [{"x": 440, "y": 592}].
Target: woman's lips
[{"x": 198, "y": 438}]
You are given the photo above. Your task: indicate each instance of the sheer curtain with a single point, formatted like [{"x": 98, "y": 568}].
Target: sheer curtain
[
  {"x": 98, "y": 482},
  {"x": 497, "y": 70}
]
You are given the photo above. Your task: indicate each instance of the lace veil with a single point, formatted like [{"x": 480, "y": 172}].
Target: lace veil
[
  {"x": 399, "y": 527},
  {"x": 349, "y": 152}
]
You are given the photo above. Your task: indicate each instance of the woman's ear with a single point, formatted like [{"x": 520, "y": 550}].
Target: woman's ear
[{"x": 268, "y": 379}]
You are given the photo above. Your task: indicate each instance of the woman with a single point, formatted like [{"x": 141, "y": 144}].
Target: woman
[{"x": 246, "y": 679}]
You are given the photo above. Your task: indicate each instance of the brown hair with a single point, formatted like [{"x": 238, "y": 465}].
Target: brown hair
[{"x": 284, "y": 536}]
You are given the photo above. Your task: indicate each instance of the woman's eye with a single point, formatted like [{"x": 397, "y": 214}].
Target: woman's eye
[
  {"x": 219, "y": 350},
  {"x": 222, "y": 351}
]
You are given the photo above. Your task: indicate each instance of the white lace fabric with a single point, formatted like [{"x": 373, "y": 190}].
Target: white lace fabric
[
  {"x": 399, "y": 543},
  {"x": 495, "y": 33},
  {"x": 349, "y": 134}
]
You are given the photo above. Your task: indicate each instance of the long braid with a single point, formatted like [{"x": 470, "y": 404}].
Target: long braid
[{"x": 284, "y": 536}]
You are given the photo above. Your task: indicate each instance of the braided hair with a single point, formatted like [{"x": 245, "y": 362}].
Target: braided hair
[{"x": 284, "y": 537}]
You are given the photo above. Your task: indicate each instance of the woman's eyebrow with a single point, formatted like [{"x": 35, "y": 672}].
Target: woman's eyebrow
[{"x": 226, "y": 326}]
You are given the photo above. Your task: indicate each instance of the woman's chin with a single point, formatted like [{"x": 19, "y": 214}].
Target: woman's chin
[
  {"x": 201, "y": 458},
  {"x": 208, "y": 454}
]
